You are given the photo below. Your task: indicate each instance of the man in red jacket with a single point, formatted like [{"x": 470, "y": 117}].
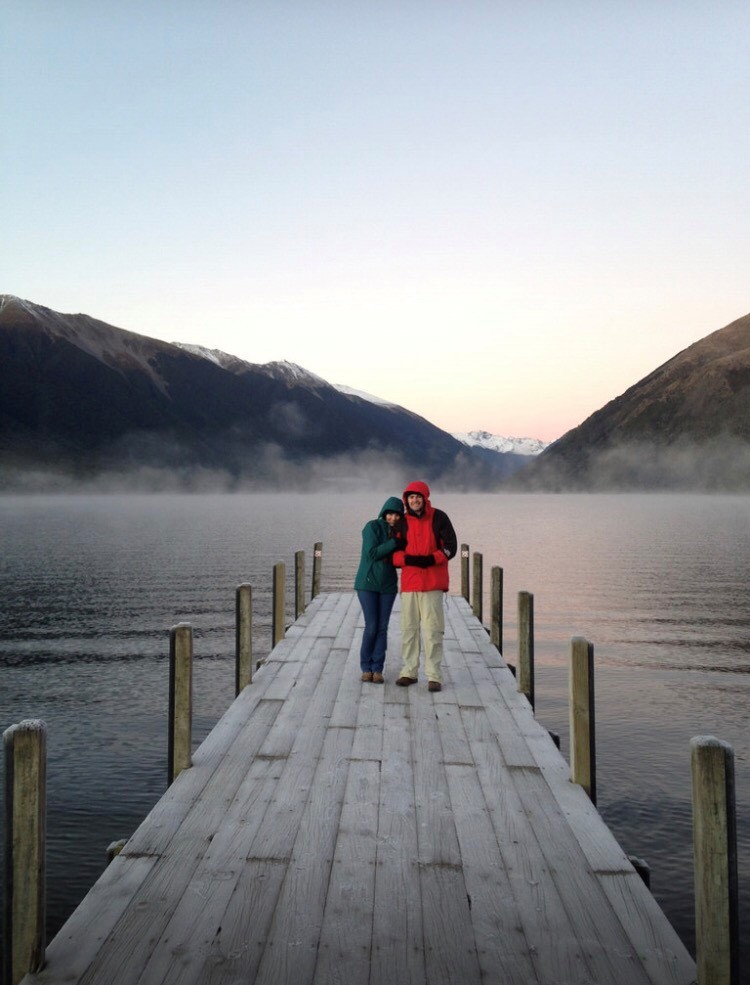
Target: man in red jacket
[{"x": 430, "y": 544}]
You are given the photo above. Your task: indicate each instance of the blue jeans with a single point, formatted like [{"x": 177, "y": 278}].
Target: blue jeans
[{"x": 376, "y": 607}]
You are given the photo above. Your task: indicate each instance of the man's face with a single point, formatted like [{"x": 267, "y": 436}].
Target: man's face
[{"x": 416, "y": 502}]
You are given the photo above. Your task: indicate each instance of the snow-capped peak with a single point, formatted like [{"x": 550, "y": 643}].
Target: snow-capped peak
[{"x": 495, "y": 442}]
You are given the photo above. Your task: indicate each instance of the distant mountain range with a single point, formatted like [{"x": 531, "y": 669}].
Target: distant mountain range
[
  {"x": 493, "y": 442},
  {"x": 684, "y": 426},
  {"x": 83, "y": 401}
]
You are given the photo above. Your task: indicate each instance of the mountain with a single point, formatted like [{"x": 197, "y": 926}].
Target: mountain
[
  {"x": 684, "y": 426},
  {"x": 83, "y": 400},
  {"x": 494, "y": 442}
]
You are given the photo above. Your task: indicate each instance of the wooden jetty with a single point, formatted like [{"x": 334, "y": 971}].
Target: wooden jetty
[{"x": 334, "y": 831}]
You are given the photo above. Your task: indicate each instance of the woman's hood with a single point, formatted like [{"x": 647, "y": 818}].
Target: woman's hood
[{"x": 392, "y": 505}]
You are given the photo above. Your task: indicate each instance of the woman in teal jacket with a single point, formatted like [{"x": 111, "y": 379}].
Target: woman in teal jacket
[{"x": 376, "y": 585}]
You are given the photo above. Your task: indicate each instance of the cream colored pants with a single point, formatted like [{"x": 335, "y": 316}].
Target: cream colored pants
[{"x": 422, "y": 612}]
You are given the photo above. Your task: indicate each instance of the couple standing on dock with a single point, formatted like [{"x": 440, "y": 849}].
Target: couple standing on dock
[{"x": 411, "y": 534}]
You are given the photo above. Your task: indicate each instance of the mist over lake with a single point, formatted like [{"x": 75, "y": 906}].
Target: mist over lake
[{"x": 91, "y": 585}]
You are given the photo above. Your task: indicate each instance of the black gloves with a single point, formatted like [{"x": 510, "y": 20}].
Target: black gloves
[{"x": 419, "y": 560}]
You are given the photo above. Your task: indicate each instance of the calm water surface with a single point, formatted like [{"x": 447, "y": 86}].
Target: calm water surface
[{"x": 91, "y": 585}]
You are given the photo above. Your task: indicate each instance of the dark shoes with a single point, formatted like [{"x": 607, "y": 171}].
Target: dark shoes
[
  {"x": 433, "y": 686},
  {"x": 405, "y": 681}
]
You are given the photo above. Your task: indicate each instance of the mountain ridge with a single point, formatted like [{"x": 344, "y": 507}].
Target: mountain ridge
[
  {"x": 685, "y": 425},
  {"x": 84, "y": 399}
]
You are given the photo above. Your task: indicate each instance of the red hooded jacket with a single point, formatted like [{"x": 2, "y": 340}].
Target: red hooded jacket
[{"x": 431, "y": 538}]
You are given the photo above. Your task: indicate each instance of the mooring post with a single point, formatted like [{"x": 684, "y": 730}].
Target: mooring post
[
  {"x": 299, "y": 584},
  {"x": 476, "y": 605},
  {"x": 243, "y": 664},
  {"x": 25, "y": 847},
  {"x": 582, "y": 730},
  {"x": 465, "y": 571},
  {"x": 279, "y": 603},
  {"x": 526, "y": 645},
  {"x": 317, "y": 564},
  {"x": 496, "y": 601},
  {"x": 715, "y": 859},
  {"x": 180, "y": 699}
]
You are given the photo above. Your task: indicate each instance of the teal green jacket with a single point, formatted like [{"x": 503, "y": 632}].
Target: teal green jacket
[{"x": 376, "y": 572}]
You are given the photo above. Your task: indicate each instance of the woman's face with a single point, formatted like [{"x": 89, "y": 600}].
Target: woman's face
[{"x": 392, "y": 519}]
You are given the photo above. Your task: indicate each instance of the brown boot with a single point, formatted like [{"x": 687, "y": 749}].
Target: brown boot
[
  {"x": 367, "y": 675},
  {"x": 406, "y": 681},
  {"x": 377, "y": 678}
]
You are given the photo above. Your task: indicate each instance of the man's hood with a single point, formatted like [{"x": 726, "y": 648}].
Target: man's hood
[{"x": 418, "y": 487}]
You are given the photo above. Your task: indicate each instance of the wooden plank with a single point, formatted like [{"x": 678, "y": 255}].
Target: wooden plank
[
  {"x": 132, "y": 941},
  {"x": 185, "y": 802},
  {"x": 190, "y": 935},
  {"x": 449, "y": 948},
  {"x": 556, "y": 953},
  {"x": 346, "y": 933},
  {"x": 78, "y": 942},
  {"x": 502, "y": 948},
  {"x": 608, "y": 945},
  {"x": 397, "y": 953},
  {"x": 322, "y": 670},
  {"x": 292, "y": 943},
  {"x": 664, "y": 956}
]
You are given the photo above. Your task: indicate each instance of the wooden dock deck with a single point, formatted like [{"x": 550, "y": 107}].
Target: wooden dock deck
[{"x": 334, "y": 831}]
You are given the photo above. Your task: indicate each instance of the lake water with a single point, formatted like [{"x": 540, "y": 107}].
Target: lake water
[{"x": 90, "y": 586}]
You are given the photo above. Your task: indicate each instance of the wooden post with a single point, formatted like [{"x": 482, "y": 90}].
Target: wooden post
[
  {"x": 317, "y": 564},
  {"x": 582, "y": 730},
  {"x": 25, "y": 845},
  {"x": 243, "y": 674},
  {"x": 465, "y": 571},
  {"x": 476, "y": 605},
  {"x": 279, "y": 603},
  {"x": 526, "y": 645},
  {"x": 496, "y": 602},
  {"x": 715, "y": 857},
  {"x": 180, "y": 699},
  {"x": 299, "y": 584},
  {"x": 114, "y": 848}
]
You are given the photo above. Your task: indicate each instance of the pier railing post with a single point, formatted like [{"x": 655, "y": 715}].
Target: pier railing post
[
  {"x": 279, "y": 603},
  {"x": 582, "y": 728},
  {"x": 25, "y": 845},
  {"x": 715, "y": 857},
  {"x": 317, "y": 565},
  {"x": 526, "y": 645},
  {"x": 465, "y": 571},
  {"x": 244, "y": 637},
  {"x": 180, "y": 699},
  {"x": 299, "y": 584},
  {"x": 477, "y": 587},
  {"x": 496, "y": 602}
]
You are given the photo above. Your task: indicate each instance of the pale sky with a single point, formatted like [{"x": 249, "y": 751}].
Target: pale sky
[{"x": 500, "y": 215}]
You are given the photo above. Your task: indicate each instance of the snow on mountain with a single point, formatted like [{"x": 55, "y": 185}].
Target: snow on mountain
[
  {"x": 494, "y": 442},
  {"x": 351, "y": 392},
  {"x": 289, "y": 373},
  {"x": 293, "y": 375},
  {"x": 223, "y": 359}
]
